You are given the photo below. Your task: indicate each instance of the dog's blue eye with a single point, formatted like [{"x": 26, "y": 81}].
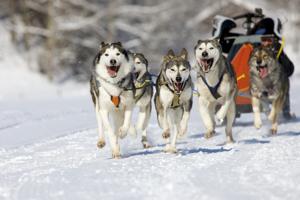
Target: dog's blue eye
[
  {"x": 118, "y": 54},
  {"x": 106, "y": 54}
]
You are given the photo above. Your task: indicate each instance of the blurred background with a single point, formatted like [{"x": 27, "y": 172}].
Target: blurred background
[{"x": 59, "y": 38}]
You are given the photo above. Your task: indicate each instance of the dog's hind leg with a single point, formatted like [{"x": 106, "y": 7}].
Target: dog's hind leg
[
  {"x": 230, "y": 120},
  {"x": 277, "y": 106},
  {"x": 143, "y": 121},
  {"x": 206, "y": 108},
  {"x": 113, "y": 139},
  {"x": 256, "y": 111},
  {"x": 101, "y": 141}
]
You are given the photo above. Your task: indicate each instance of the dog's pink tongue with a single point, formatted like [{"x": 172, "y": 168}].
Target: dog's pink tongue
[
  {"x": 205, "y": 64},
  {"x": 263, "y": 72},
  {"x": 111, "y": 72}
]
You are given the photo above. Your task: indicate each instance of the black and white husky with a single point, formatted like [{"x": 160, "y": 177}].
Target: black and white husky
[
  {"x": 112, "y": 92},
  {"x": 143, "y": 94},
  {"x": 216, "y": 85},
  {"x": 173, "y": 97}
]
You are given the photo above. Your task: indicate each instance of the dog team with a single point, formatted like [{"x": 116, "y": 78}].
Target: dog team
[{"x": 121, "y": 81}]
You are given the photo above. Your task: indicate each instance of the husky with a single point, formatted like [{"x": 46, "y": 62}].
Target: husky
[
  {"x": 112, "y": 92},
  {"x": 173, "y": 97},
  {"x": 268, "y": 83},
  {"x": 216, "y": 85},
  {"x": 143, "y": 94}
]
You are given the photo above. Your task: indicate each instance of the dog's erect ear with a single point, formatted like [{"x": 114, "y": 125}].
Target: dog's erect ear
[
  {"x": 216, "y": 40},
  {"x": 118, "y": 43},
  {"x": 171, "y": 53},
  {"x": 199, "y": 41},
  {"x": 103, "y": 44},
  {"x": 184, "y": 54}
]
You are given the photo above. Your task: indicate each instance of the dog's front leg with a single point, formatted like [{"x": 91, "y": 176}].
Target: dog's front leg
[
  {"x": 223, "y": 110},
  {"x": 166, "y": 129},
  {"x": 256, "y": 111},
  {"x": 113, "y": 140},
  {"x": 171, "y": 147},
  {"x": 101, "y": 141},
  {"x": 205, "y": 110},
  {"x": 126, "y": 124},
  {"x": 185, "y": 119}
]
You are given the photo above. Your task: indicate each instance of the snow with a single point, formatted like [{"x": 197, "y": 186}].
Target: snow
[{"x": 48, "y": 137}]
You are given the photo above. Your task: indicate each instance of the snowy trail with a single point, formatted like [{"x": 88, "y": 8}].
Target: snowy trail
[{"x": 63, "y": 162}]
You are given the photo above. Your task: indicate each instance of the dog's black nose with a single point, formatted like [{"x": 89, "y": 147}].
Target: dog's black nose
[
  {"x": 178, "y": 78},
  {"x": 265, "y": 93},
  {"x": 258, "y": 62},
  {"x": 113, "y": 61},
  {"x": 204, "y": 54}
]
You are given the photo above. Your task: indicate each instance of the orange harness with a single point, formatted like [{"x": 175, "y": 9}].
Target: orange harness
[{"x": 115, "y": 100}]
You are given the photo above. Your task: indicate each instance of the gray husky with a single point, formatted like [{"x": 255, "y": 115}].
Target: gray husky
[
  {"x": 173, "y": 97},
  {"x": 268, "y": 83},
  {"x": 143, "y": 94},
  {"x": 112, "y": 92},
  {"x": 216, "y": 85}
]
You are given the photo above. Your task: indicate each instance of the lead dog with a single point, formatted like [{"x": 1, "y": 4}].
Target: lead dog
[
  {"x": 143, "y": 94},
  {"x": 112, "y": 91},
  {"x": 173, "y": 97},
  {"x": 216, "y": 85},
  {"x": 268, "y": 83}
]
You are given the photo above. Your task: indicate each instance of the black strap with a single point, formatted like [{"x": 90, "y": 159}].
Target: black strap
[{"x": 213, "y": 90}]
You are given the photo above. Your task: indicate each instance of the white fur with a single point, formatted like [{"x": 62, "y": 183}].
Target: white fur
[{"x": 120, "y": 117}]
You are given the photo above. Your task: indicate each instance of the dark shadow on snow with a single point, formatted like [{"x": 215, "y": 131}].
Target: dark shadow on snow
[
  {"x": 204, "y": 150},
  {"x": 289, "y": 133},
  {"x": 254, "y": 141},
  {"x": 142, "y": 153}
]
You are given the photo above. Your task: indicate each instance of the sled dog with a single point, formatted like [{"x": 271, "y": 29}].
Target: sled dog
[
  {"x": 268, "y": 83},
  {"x": 173, "y": 97},
  {"x": 143, "y": 94},
  {"x": 216, "y": 85},
  {"x": 112, "y": 91}
]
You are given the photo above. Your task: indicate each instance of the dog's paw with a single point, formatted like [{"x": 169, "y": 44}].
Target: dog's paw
[
  {"x": 219, "y": 119},
  {"x": 166, "y": 134},
  {"x": 123, "y": 132},
  {"x": 145, "y": 142},
  {"x": 229, "y": 140},
  {"x": 170, "y": 149},
  {"x": 273, "y": 131},
  {"x": 101, "y": 143},
  {"x": 257, "y": 124},
  {"x": 209, "y": 134},
  {"x": 116, "y": 153},
  {"x": 182, "y": 132}
]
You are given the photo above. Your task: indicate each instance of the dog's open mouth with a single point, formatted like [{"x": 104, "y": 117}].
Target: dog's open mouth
[
  {"x": 263, "y": 71},
  {"x": 206, "y": 64},
  {"x": 113, "y": 70},
  {"x": 178, "y": 86}
]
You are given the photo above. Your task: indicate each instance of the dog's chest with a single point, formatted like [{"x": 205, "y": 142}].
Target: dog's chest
[
  {"x": 220, "y": 94},
  {"x": 168, "y": 98},
  {"x": 119, "y": 101}
]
